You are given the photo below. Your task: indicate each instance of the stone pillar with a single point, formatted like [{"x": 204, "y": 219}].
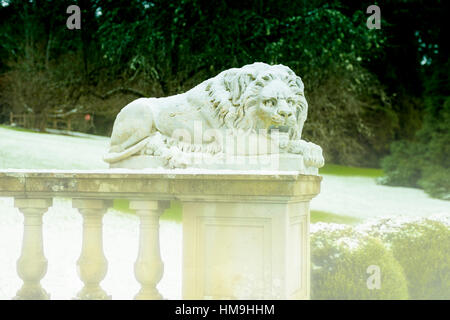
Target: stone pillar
[
  {"x": 92, "y": 264},
  {"x": 149, "y": 267},
  {"x": 247, "y": 247},
  {"x": 32, "y": 264}
]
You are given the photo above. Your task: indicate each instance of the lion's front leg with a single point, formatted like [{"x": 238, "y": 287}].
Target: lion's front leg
[
  {"x": 175, "y": 158},
  {"x": 311, "y": 152},
  {"x": 159, "y": 145}
]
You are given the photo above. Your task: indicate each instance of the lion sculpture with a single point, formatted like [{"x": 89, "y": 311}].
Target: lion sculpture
[{"x": 255, "y": 101}]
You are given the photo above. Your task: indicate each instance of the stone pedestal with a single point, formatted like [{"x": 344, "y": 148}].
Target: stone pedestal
[
  {"x": 267, "y": 162},
  {"x": 245, "y": 234},
  {"x": 247, "y": 247}
]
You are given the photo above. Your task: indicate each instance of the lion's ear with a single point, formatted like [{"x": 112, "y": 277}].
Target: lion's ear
[{"x": 237, "y": 84}]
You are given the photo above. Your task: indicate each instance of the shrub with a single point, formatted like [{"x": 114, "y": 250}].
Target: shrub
[
  {"x": 424, "y": 161},
  {"x": 422, "y": 247},
  {"x": 340, "y": 258},
  {"x": 403, "y": 166},
  {"x": 436, "y": 182}
]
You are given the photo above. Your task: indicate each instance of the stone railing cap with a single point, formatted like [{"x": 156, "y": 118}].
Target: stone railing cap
[{"x": 162, "y": 184}]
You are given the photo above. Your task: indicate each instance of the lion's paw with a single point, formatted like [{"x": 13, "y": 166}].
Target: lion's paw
[
  {"x": 311, "y": 152},
  {"x": 155, "y": 145},
  {"x": 297, "y": 146},
  {"x": 175, "y": 158}
]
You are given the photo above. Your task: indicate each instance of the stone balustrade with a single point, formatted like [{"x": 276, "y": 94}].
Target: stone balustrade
[{"x": 245, "y": 234}]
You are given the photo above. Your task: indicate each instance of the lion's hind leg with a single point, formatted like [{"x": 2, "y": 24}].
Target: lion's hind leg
[{"x": 133, "y": 124}]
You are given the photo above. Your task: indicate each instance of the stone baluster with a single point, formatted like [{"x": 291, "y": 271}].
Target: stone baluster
[
  {"x": 32, "y": 264},
  {"x": 149, "y": 267},
  {"x": 92, "y": 264}
]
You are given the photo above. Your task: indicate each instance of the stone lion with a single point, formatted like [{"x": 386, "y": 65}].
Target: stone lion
[{"x": 253, "y": 101}]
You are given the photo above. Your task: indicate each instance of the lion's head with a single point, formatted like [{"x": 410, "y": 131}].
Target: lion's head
[{"x": 260, "y": 96}]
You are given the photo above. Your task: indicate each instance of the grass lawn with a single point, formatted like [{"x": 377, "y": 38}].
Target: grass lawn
[
  {"x": 20, "y": 129},
  {"x": 174, "y": 213},
  {"x": 321, "y": 216},
  {"x": 338, "y": 170}
]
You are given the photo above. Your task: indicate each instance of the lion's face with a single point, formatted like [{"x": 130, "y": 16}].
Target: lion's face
[
  {"x": 259, "y": 96},
  {"x": 278, "y": 106}
]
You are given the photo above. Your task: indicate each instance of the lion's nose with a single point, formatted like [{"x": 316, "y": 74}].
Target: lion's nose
[{"x": 285, "y": 113}]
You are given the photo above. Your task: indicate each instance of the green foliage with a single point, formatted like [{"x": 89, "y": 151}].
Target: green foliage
[
  {"x": 321, "y": 216},
  {"x": 436, "y": 181},
  {"x": 423, "y": 250},
  {"x": 424, "y": 161},
  {"x": 347, "y": 171},
  {"x": 171, "y": 43},
  {"x": 340, "y": 259},
  {"x": 413, "y": 256},
  {"x": 307, "y": 37},
  {"x": 350, "y": 118},
  {"x": 403, "y": 166},
  {"x": 122, "y": 205},
  {"x": 173, "y": 213}
]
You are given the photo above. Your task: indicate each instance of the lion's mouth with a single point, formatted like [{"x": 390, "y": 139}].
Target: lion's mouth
[
  {"x": 280, "y": 128},
  {"x": 278, "y": 123},
  {"x": 277, "y": 120}
]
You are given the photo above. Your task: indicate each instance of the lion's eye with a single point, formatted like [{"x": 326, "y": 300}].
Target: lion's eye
[{"x": 269, "y": 102}]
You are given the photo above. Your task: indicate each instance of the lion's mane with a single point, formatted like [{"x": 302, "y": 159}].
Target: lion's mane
[{"x": 234, "y": 92}]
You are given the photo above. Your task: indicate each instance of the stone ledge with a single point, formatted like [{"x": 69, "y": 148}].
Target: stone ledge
[
  {"x": 160, "y": 184},
  {"x": 285, "y": 162}
]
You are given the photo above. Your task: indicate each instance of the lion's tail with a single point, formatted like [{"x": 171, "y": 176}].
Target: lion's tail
[{"x": 113, "y": 157}]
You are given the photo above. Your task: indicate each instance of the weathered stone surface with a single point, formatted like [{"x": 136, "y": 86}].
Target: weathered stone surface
[
  {"x": 245, "y": 235},
  {"x": 160, "y": 185}
]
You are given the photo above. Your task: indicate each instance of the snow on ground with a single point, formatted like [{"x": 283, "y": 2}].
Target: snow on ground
[
  {"x": 62, "y": 246},
  {"x": 361, "y": 197},
  {"x": 30, "y": 150}
]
